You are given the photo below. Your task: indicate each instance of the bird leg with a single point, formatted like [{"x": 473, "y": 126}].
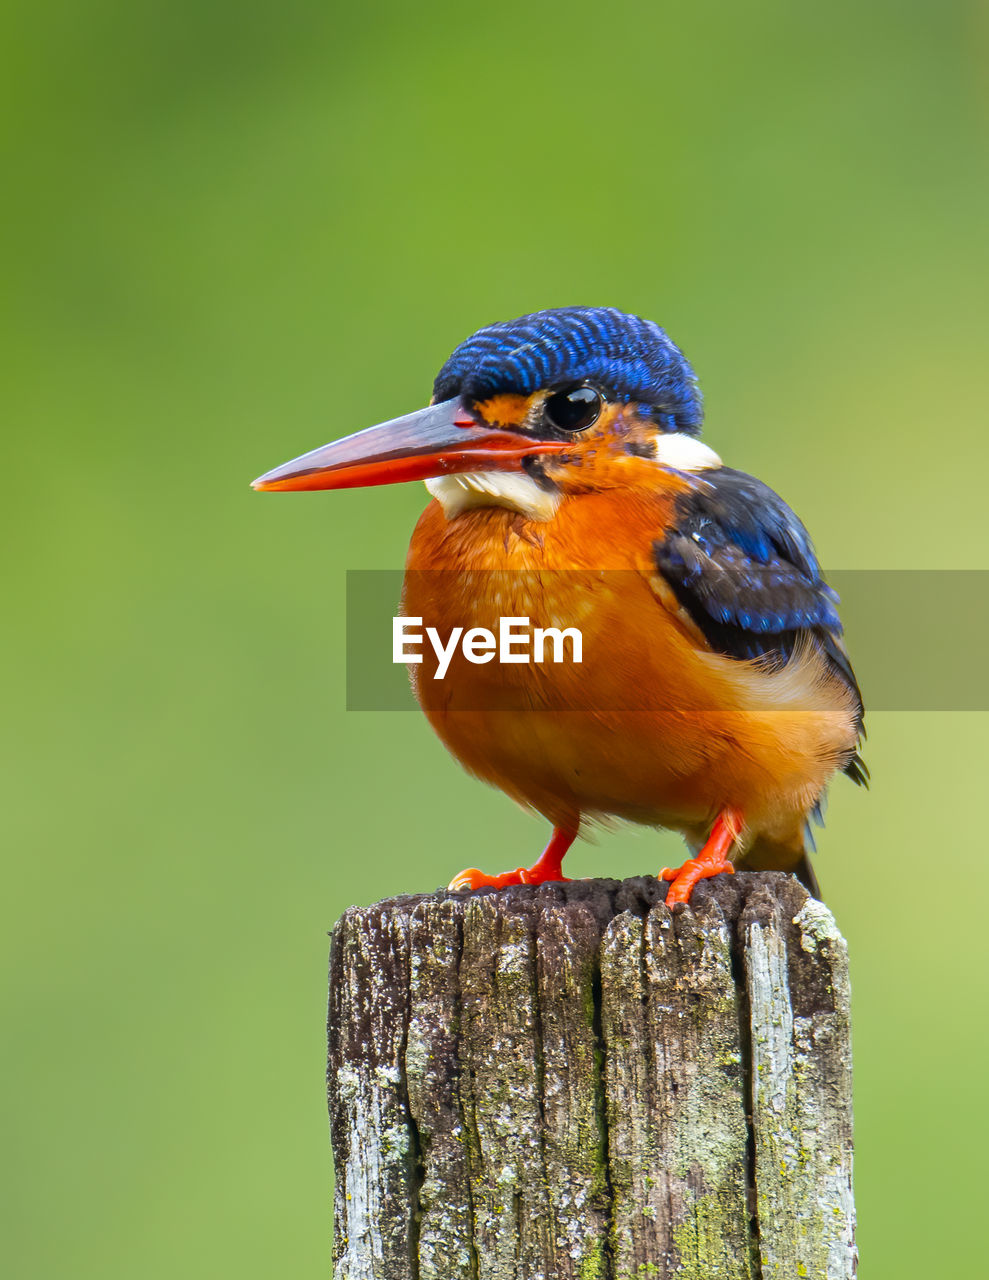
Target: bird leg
[
  {"x": 549, "y": 866},
  {"x": 711, "y": 861}
]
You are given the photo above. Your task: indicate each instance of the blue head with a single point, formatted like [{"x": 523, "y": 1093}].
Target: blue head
[{"x": 630, "y": 360}]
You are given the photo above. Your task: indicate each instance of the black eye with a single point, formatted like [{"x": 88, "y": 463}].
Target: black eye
[{"x": 573, "y": 409}]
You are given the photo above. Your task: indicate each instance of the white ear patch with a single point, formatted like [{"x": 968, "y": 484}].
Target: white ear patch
[
  {"x": 512, "y": 489},
  {"x": 685, "y": 453}
]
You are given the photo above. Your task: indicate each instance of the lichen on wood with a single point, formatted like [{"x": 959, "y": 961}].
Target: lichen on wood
[
  {"x": 796, "y": 968},
  {"x": 573, "y": 1081}
]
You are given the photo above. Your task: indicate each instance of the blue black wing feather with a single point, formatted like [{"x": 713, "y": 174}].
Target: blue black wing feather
[{"x": 742, "y": 565}]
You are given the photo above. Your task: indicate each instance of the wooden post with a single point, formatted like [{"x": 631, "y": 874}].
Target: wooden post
[{"x": 573, "y": 1082}]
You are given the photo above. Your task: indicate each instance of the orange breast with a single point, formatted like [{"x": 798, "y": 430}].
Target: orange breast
[{"x": 649, "y": 726}]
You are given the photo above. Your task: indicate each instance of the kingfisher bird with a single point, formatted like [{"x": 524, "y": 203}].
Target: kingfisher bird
[{"x": 569, "y": 487}]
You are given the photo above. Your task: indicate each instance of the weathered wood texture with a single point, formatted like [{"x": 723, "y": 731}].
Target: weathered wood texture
[{"x": 572, "y": 1082}]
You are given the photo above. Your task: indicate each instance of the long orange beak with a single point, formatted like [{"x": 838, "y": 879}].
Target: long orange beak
[{"x": 434, "y": 441}]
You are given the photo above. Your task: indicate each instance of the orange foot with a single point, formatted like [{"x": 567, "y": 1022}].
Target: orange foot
[
  {"x": 710, "y": 861},
  {"x": 548, "y": 867}
]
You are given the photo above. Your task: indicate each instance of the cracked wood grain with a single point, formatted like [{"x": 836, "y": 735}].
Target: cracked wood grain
[
  {"x": 796, "y": 968},
  {"x": 679, "y": 1157},
  {"x": 571, "y": 1081}
]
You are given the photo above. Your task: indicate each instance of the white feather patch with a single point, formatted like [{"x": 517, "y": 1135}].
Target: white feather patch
[
  {"x": 685, "y": 453},
  {"x": 512, "y": 489}
]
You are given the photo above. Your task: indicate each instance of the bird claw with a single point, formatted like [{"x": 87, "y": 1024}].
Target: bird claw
[
  {"x": 684, "y": 878},
  {"x": 471, "y": 879},
  {"x": 711, "y": 860},
  {"x": 547, "y": 867},
  {"x": 690, "y": 868}
]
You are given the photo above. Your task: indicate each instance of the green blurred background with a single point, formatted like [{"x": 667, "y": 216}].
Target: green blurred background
[{"x": 235, "y": 231}]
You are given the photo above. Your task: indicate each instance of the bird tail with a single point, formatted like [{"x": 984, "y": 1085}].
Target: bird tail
[{"x": 807, "y": 877}]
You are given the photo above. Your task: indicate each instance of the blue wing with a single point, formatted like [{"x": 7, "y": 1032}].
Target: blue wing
[{"x": 742, "y": 565}]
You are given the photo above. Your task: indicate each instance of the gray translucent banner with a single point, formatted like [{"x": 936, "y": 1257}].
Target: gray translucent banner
[{"x": 916, "y": 639}]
